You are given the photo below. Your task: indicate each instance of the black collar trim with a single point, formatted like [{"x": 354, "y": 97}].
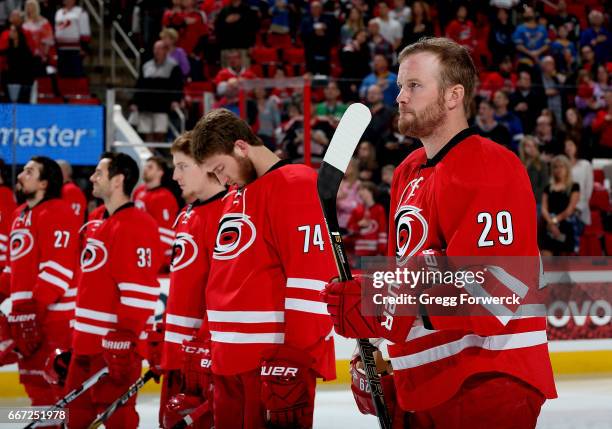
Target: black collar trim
[
  {"x": 459, "y": 137},
  {"x": 217, "y": 196},
  {"x": 123, "y": 207},
  {"x": 278, "y": 165}
]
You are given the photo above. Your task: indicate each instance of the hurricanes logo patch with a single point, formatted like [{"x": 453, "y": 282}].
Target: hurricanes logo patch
[
  {"x": 94, "y": 255},
  {"x": 184, "y": 251},
  {"x": 410, "y": 232},
  {"x": 370, "y": 227},
  {"x": 21, "y": 243},
  {"x": 236, "y": 234}
]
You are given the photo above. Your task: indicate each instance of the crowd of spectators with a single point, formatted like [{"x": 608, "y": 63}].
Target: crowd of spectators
[{"x": 46, "y": 38}]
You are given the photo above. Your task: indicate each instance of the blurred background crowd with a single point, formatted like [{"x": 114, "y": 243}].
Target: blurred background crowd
[{"x": 544, "y": 87}]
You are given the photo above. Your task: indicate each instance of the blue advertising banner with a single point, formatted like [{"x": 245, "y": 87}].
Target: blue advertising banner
[{"x": 70, "y": 132}]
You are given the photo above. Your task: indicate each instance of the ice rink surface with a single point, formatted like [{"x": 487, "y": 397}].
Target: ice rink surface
[{"x": 583, "y": 403}]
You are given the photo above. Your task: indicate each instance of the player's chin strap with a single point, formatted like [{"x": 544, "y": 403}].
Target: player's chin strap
[
  {"x": 123, "y": 399},
  {"x": 189, "y": 419},
  {"x": 72, "y": 395}
]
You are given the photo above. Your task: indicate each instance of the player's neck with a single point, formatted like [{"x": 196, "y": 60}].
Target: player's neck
[
  {"x": 263, "y": 159},
  {"x": 209, "y": 192},
  {"x": 442, "y": 135},
  {"x": 153, "y": 184},
  {"x": 114, "y": 202},
  {"x": 37, "y": 198}
]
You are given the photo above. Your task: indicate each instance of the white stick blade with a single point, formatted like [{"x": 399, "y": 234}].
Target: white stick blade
[{"x": 348, "y": 133}]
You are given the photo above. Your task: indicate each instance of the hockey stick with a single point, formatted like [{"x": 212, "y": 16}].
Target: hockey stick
[
  {"x": 122, "y": 400},
  {"x": 75, "y": 393},
  {"x": 190, "y": 418},
  {"x": 336, "y": 160}
]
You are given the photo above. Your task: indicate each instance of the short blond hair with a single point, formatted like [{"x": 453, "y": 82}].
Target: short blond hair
[
  {"x": 456, "y": 65},
  {"x": 170, "y": 32}
]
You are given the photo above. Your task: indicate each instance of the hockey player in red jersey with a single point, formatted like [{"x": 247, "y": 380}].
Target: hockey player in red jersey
[
  {"x": 196, "y": 230},
  {"x": 117, "y": 294},
  {"x": 159, "y": 202},
  {"x": 71, "y": 193},
  {"x": 7, "y": 209},
  {"x": 270, "y": 333},
  {"x": 468, "y": 371},
  {"x": 368, "y": 224},
  {"x": 41, "y": 270}
]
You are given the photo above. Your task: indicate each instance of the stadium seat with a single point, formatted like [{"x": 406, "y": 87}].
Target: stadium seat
[
  {"x": 265, "y": 60},
  {"x": 74, "y": 86},
  {"x": 50, "y": 100},
  {"x": 84, "y": 100},
  {"x": 600, "y": 199},
  {"x": 279, "y": 40},
  {"x": 599, "y": 176},
  {"x": 295, "y": 61},
  {"x": 45, "y": 86}
]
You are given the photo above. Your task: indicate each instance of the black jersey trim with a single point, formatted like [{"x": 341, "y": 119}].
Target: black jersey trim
[
  {"x": 217, "y": 196},
  {"x": 278, "y": 165},
  {"x": 459, "y": 137},
  {"x": 123, "y": 207}
]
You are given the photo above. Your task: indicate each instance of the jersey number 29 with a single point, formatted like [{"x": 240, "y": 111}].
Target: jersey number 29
[{"x": 504, "y": 227}]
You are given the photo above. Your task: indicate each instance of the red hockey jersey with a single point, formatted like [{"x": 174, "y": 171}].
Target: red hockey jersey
[
  {"x": 270, "y": 261},
  {"x": 117, "y": 286},
  {"x": 161, "y": 204},
  {"x": 196, "y": 229},
  {"x": 44, "y": 256},
  {"x": 73, "y": 195},
  {"x": 7, "y": 209},
  {"x": 368, "y": 228},
  {"x": 443, "y": 203}
]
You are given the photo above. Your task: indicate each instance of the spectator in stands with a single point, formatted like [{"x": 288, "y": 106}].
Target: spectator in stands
[
  {"x": 602, "y": 127},
  {"x": 316, "y": 16},
  {"x": 170, "y": 36},
  {"x": 385, "y": 79},
  {"x": 354, "y": 61},
  {"x": 72, "y": 35},
  {"x": 390, "y": 29},
  {"x": 41, "y": 36},
  {"x": 377, "y": 43},
  {"x": 317, "y": 49},
  {"x": 235, "y": 69},
  {"x": 597, "y": 37},
  {"x": 173, "y": 17},
  {"x": 420, "y": 26},
  {"x": 353, "y": 24},
  {"x": 506, "y": 117},
  {"x": 559, "y": 201},
  {"x": 550, "y": 140},
  {"x": 71, "y": 193},
  {"x": 384, "y": 187},
  {"x": 231, "y": 101},
  {"x": 18, "y": 77},
  {"x": 585, "y": 99},
  {"x": 235, "y": 28},
  {"x": 587, "y": 58},
  {"x": 368, "y": 167},
  {"x": 582, "y": 174},
  {"x": 280, "y": 21},
  {"x": 462, "y": 30},
  {"x": 563, "y": 19},
  {"x": 560, "y": 45},
  {"x": 379, "y": 129},
  {"x": 268, "y": 116},
  {"x": 537, "y": 169},
  {"x": 401, "y": 12},
  {"x": 575, "y": 130},
  {"x": 488, "y": 127},
  {"x": 530, "y": 38},
  {"x": 526, "y": 101},
  {"x": 500, "y": 36},
  {"x": 348, "y": 194},
  {"x": 158, "y": 91},
  {"x": 601, "y": 85},
  {"x": 212, "y": 8},
  {"x": 367, "y": 225},
  {"x": 193, "y": 36},
  {"x": 332, "y": 107},
  {"x": 553, "y": 86}
]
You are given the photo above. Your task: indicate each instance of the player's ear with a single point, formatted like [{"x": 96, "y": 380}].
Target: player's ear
[
  {"x": 241, "y": 148},
  {"x": 454, "y": 96}
]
